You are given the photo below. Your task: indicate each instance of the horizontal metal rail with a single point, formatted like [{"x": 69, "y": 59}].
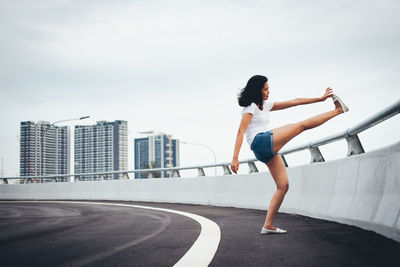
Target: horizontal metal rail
[
  {"x": 353, "y": 142},
  {"x": 354, "y": 146}
]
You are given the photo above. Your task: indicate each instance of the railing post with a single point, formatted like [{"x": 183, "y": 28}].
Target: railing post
[
  {"x": 201, "y": 172},
  {"x": 176, "y": 173},
  {"x": 316, "y": 155},
  {"x": 284, "y": 161},
  {"x": 354, "y": 146},
  {"x": 227, "y": 171},
  {"x": 252, "y": 167}
]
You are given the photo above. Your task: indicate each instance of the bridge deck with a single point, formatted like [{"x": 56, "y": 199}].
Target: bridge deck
[{"x": 59, "y": 234}]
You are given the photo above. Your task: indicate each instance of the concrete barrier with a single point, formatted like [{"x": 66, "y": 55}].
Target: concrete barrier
[{"x": 362, "y": 190}]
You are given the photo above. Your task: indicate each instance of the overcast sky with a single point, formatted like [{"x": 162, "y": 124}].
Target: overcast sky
[{"x": 176, "y": 67}]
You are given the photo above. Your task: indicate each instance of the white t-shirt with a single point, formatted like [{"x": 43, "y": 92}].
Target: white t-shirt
[{"x": 259, "y": 121}]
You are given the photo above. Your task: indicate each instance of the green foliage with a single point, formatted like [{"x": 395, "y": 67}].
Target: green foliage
[{"x": 154, "y": 174}]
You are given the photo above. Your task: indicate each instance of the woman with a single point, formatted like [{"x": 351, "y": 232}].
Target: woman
[{"x": 265, "y": 144}]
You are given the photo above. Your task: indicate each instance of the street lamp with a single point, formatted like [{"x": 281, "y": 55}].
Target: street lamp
[
  {"x": 198, "y": 144},
  {"x": 81, "y": 118},
  {"x": 44, "y": 135}
]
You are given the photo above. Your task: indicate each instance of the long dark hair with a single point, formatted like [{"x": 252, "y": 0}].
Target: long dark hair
[{"x": 252, "y": 92}]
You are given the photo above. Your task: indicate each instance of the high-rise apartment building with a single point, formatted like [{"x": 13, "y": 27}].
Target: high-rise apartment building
[
  {"x": 100, "y": 148},
  {"x": 44, "y": 149},
  {"x": 156, "y": 151}
]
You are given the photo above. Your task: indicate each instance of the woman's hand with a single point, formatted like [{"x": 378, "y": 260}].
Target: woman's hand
[
  {"x": 235, "y": 165},
  {"x": 328, "y": 93}
]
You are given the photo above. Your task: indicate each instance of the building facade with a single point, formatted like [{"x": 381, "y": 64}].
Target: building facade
[
  {"x": 44, "y": 149},
  {"x": 157, "y": 150},
  {"x": 100, "y": 148}
]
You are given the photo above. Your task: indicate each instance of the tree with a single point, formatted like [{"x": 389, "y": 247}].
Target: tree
[{"x": 154, "y": 174}]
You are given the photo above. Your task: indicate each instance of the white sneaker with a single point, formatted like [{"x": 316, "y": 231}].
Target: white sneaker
[
  {"x": 265, "y": 231},
  {"x": 341, "y": 103}
]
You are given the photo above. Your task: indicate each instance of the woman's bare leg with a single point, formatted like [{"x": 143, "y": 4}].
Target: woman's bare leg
[
  {"x": 276, "y": 166},
  {"x": 284, "y": 134},
  {"x": 278, "y": 172}
]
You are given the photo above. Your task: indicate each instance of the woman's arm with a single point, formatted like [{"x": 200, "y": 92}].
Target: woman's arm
[
  {"x": 302, "y": 101},
  {"x": 246, "y": 118}
]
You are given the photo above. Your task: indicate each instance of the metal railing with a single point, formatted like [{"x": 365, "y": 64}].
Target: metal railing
[{"x": 353, "y": 142}]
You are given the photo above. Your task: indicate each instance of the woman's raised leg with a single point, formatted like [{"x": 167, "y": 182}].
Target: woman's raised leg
[{"x": 284, "y": 134}]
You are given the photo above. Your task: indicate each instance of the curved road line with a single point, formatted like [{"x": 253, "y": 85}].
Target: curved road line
[{"x": 203, "y": 249}]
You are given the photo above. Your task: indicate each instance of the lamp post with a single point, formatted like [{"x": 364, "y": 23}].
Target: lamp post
[
  {"x": 44, "y": 135},
  {"x": 198, "y": 144}
]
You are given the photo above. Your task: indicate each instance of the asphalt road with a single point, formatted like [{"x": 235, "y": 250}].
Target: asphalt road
[{"x": 58, "y": 234}]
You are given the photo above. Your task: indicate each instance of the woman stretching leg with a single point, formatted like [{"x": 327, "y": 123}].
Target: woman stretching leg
[{"x": 265, "y": 144}]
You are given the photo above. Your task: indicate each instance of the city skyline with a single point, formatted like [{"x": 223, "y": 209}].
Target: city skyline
[{"x": 97, "y": 148}]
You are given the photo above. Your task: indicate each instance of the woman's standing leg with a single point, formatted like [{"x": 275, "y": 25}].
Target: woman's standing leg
[{"x": 278, "y": 172}]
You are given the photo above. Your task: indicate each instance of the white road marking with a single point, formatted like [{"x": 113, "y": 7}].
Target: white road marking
[{"x": 203, "y": 249}]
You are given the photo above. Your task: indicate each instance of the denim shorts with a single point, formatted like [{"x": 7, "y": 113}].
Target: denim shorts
[{"x": 262, "y": 146}]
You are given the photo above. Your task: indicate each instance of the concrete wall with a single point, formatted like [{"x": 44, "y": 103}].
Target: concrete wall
[{"x": 363, "y": 190}]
